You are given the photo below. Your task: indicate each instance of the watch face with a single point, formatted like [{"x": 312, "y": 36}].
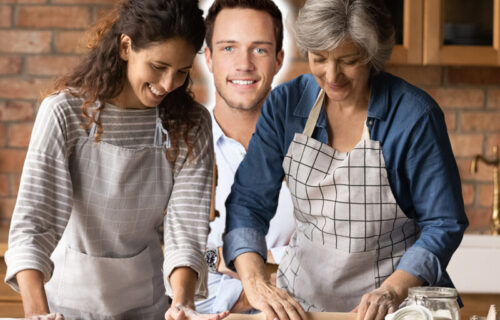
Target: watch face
[{"x": 211, "y": 258}]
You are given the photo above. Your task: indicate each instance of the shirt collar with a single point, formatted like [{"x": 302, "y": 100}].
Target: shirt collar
[
  {"x": 217, "y": 132},
  {"x": 378, "y": 107}
]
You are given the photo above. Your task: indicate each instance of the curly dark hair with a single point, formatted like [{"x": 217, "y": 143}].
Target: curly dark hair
[{"x": 102, "y": 73}]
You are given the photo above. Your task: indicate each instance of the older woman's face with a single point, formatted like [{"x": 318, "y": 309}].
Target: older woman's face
[{"x": 341, "y": 73}]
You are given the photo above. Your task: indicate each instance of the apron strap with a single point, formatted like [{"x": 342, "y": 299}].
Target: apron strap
[
  {"x": 314, "y": 115},
  {"x": 159, "y": 131},
  {"x": 93, "y": 129}
]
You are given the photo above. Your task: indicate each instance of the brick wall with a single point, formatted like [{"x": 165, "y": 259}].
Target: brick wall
[{"x": 40, "y": 39}]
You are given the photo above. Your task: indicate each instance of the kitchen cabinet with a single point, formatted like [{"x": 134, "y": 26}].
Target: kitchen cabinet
[
  {"x": 458, "y": 32},
  {"x": 446, "y": 32}
]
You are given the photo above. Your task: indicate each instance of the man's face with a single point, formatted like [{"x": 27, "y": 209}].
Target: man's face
[{"x": 243, "y": 58}]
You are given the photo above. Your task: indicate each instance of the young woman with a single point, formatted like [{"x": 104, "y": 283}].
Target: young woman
[{"x": 119, "y": 149}]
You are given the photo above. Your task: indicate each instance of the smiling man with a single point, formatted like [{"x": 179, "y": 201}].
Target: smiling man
[{"x": 244, "y": 53}]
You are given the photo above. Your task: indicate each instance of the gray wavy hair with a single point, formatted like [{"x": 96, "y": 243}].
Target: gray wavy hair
[{"x": 325, "y": 24}]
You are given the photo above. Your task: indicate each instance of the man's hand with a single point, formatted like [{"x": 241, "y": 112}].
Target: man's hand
[{"x": 377, "y": 304}]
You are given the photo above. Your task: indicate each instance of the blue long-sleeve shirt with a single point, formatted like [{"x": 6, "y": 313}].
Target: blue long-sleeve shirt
[{"x": 421, "y": 168}]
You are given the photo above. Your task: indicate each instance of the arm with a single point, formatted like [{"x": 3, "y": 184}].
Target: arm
[
  {"x": 32, "y": 292},
  {"x": 186, "y": 223},
  {"x": 42, "y": 209},
  {"x": 183, "y": 282}
]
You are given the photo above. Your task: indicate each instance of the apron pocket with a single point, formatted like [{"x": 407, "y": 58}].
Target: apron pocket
[{"x": 107, "y": 286}]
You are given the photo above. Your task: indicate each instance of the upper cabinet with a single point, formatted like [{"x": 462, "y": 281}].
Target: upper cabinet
[
  {"x": 462, "y": 32},
  {"x": 444, "y": 32}
]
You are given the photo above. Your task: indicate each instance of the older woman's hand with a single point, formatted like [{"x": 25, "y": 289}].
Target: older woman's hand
[
  {"x": 377, "y": 304},
  {"x": 180, "y": 312},
  {"x": 274, "y": 302}
]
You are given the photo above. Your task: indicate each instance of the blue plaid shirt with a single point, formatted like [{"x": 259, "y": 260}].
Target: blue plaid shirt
[{"x": 420, "y": 164}]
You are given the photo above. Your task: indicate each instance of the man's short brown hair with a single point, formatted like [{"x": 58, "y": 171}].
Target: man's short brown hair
[{"x": 261, "y": 5}]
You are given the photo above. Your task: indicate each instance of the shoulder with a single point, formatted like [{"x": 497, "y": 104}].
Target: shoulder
[
  {"x": 202, "y": 120},
  {"x": 60, "y": 104}
]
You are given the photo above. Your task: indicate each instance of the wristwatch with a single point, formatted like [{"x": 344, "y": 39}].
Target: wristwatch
[{"x": 211, "y": 259}]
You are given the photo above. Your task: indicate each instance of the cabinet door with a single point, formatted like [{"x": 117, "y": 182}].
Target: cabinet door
[
  {"x": 458, "y": 32},
  {"x": 408, "y": 22}
]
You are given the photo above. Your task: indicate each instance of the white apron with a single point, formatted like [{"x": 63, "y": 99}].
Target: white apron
[
  {"x": 108, "y": 264},
  {"x": 350, "y": 232}
]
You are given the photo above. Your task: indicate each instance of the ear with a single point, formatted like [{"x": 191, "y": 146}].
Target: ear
[
  {"x": 208, "y": 59},
  {"x": 279, "y": 61},
  {"x": 125, "y": 46}
]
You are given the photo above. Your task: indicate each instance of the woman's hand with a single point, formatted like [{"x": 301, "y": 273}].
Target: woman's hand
[
  {"x": 180, "y": 312},
  {"x": 274, "y": 302},
  {"x": 377, "y": 304},
  {"x": 386, "y": 299}
]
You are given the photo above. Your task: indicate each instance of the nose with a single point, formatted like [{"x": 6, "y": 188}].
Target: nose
[
  {"x": 167, "y": 81},
  {"x": 333, "y": 72},
  {"x": 244, "y": 61}
]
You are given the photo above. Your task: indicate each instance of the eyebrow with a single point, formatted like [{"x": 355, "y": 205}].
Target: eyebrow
[
  {"x": 253, "y": 42},
  {"x": 169, "y": 65}
]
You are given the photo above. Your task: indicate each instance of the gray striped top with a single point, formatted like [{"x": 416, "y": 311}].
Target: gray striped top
[{"x": 44, "y": 202}]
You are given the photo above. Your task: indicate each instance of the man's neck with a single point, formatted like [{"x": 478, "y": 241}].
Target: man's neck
[{"x": 237, "y": 124}]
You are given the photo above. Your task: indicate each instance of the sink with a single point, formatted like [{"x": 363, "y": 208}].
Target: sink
[{"x": 475, "y": 266}]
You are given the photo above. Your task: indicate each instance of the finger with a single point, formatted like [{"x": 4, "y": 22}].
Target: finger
[
  {"x": 362, "y": 309},
  {"x": 269, "y": 312},
  {"x": 301, "y": 313},
  {"x": 281, "y": 311},
  {"x": 382, "y": 312}
]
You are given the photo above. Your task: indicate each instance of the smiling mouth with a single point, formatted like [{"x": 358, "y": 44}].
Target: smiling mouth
[
  {"x": 156, "y": 92},
  {"x": 243, "y": 82}
]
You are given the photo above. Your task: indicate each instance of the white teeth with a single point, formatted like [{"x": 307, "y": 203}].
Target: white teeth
[
  {"x": 153, "y": 90},
  {"x": 242, "y": 82}
]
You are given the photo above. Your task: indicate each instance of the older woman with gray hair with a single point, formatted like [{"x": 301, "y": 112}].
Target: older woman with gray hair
[{"x": 376, "y": 189}]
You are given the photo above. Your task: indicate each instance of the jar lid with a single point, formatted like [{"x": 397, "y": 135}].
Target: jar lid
[
  {"x": 433, "y": 292},
  {"x": 410, "y": 313}
]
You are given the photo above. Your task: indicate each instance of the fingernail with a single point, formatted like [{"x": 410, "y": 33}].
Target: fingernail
[{"x": 276, "y": 319}]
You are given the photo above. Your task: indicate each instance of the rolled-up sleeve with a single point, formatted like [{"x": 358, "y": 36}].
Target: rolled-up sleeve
[
  {"x": 186, "y": 221},
  {"x": 254, "y": 194}
]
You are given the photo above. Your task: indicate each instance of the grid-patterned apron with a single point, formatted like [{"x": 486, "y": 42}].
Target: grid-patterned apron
[
  {"x": 350, "y": 232},
  {"x": 108, "y": 264}
]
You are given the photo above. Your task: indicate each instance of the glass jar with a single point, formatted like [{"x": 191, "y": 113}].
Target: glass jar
[{"x": 441, "y": 302}]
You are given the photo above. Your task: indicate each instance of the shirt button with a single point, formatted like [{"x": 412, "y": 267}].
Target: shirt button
[{"x": 370, "y": 122}]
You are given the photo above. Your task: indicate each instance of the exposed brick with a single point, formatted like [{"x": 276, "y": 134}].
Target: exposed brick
[
  {"x": 100, "y": 2},
  {"x": 486, "y": 195},
  {"x": 494, "y": 98},
  {"x": 3, "y": 133},
  {"x": 12, "y": 160},
  {"x": 19, "y": 134},
  {"x": 16, "y": 111},
  {"x": 13, "y": 88},
  {"x": 50, "y": 65},
  {"x": 71, "y": 42},
  {"x": 16, "y": 41},
  {"x": 483, "y": 174},
  {"x": 492, "y": 140},
  {"x": 466, "y": 145},
  {"x": 16, "y": 181},
  {"x": 10, "y": 65},
  {"x": 451, "y": 120},
  {"x": 455, "y": 97},
  {"x": 468, "y": 193},
  {"x": 66, "y": 17},
  {"x": 480, "y": 121},
  {"x": 7, "y": 207},
  {"x": 23, "y": 1},
  {"x": 294, "y": 69},
  {"x": 5, "y": 16},
  {"x": 474, "y": 75},
  {"x": 478, "y": 216},
  {"x": 101, "y": 12},
  {"x": 4, "y": 185},
  {"x": 418, "y": 75}
]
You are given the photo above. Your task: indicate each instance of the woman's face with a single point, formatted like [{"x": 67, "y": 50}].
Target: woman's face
[
  {"x": 341, "y": 73},
  {"x": 154, "y": 71}
]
